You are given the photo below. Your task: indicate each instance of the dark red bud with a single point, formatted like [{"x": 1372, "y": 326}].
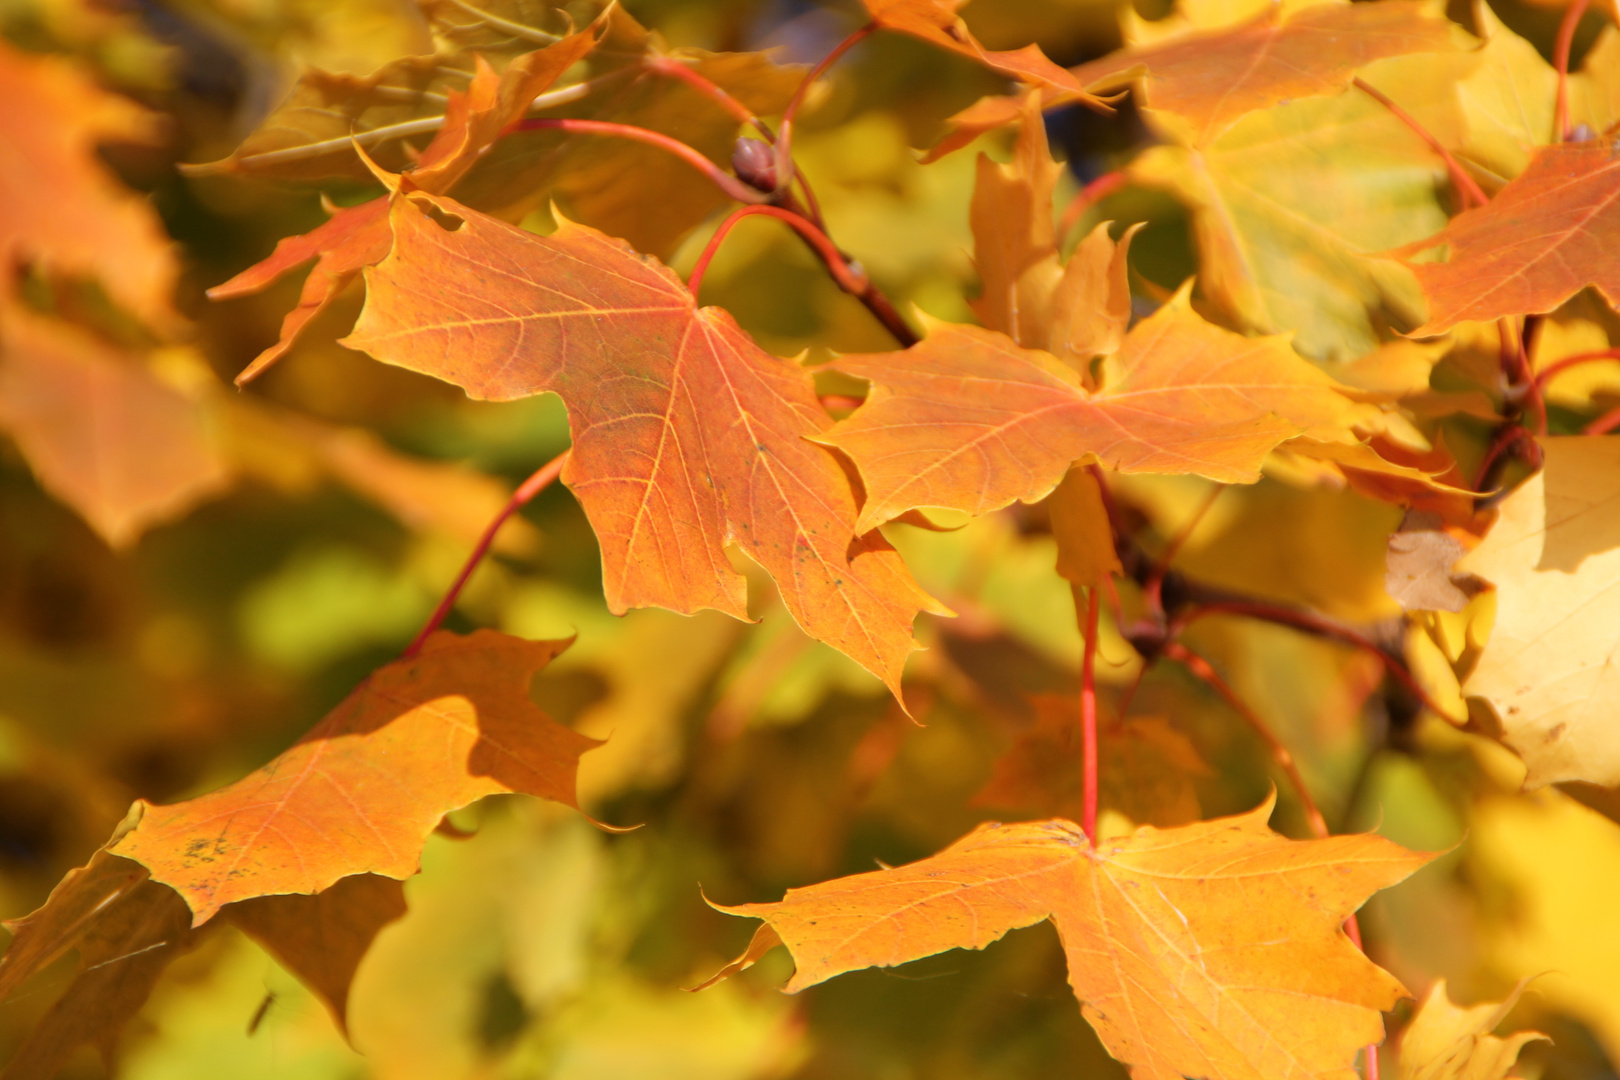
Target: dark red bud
[{"x": 755, "y": 163}]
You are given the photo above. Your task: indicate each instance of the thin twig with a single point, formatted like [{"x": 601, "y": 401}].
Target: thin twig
[
  {"x": 534, "y": 485},
  {"x": 1470, "y": 191},
  {"x": 1321, "y": 626},
  {"x": 1280, "y": 754},
  {"x": 849, "y": 278}
]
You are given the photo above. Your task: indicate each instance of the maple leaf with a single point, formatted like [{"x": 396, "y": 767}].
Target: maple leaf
[
  {"x": 1290, "y": 207},
  {"x": 1146, "y": 766},
  {"x": 1211, "y": 79},
  {"x": 358, "y": 236},
  {"x": 101, "y": 431},
  {"x": 1211, "y": 950},
  {"x": 1085, "y": 539},
  {"x": 1075, "y": 311},
  {"x": 325, "y": 936},
  {"x": 1548, "y": 669},
  {"x": 687, "y": 436},
  {"x": 363, "y": 789},
  {"x": 126, "y": 930},
  {"x": 1541, "y": 239},
  {"x": 1445, "y": 1042},
  {"x": 58, "y": 204},
  {"x": 936, "y": 22},
  {"x": 968, "y": 421}
]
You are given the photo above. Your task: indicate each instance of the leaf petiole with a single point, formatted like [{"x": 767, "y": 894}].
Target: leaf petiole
[
  {"x": 534, "y": 485},
  {"x": 733, "y": 187}
]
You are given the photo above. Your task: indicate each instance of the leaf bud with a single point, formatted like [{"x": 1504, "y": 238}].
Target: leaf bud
[{"x": 755, "y": 163}]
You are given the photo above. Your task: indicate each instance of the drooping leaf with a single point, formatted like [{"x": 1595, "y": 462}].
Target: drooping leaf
[
  {"x": 1448, "y": 1042},
  {"x": 126, "y": 930},
  {"x": 969, "y": 421},
  {"x": 1146, "y": 768},
  {"x": 58, "y": 204},
  {"x": 1548, "y": 668},
  {"x": 1291, "y": 208},
  {"x": 102, "y": 432},
  {"x": 687, "y": 437},
  {"x": 1211, "y": 950},
  {"x": 323, "y": 937},
  {"x": 1541, "y": 239},
  {"x": 936, "y": 22},
  {"x": 1085, "y": 541},
  {"x": 361, "y": 792},
  {"x": 1209, "y": 80}
]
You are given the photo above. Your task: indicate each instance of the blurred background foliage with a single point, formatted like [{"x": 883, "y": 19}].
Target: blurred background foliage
[{"x": 754, "y": 758}]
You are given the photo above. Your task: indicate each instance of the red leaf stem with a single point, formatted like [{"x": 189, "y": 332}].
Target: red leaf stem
[
  {"x": 1605, "y": 423},
  {"x": 1566, "y": 38},
  {"x": 1087, "y": 197},
  {"x": 1470, "y": 191},
  {"x": 1559, "y": 366},
  {"x": 784, "y": 140},
  {"x": 1088, "y": 710},
  {"x": 534, "y": 485},
  {"x": 733, "y": 187},
  {"x": 1321, "y": 626},
  {"x": 674, "y": 69}
]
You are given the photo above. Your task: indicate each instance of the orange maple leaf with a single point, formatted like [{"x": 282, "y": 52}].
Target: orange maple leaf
[
  {"x": 969, "y": 421},
  {"x": 358, "y": 236},
  {"x": 1212, "y": 79},
  {"x": 361, "y": 792},
  {"x": 1544, "y": 237},
  {"x": 58, "y": 203},
  {"x": 1213, "y": 950},
  {"x": 687, "y": 436}
]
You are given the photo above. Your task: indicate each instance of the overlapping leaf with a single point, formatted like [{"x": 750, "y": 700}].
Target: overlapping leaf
[
  {"x": 1539, "y": 241},
  {"x": 58, "y": 204},
  {"x": 1548, "y": 669},
  {"x": 1210, "y": 80},
  {"x": 1077, "y": 310},
  {"x": 358, "y": 236},
  {"x": 1291, "y": 208},
  {"x": 127, "y": 929},
  {"x": 1211, "y": 950},
  {"x": 969, "y": 421},
  {"x": 687, "y": 437},
  {"x": 361, "y": 792}
]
